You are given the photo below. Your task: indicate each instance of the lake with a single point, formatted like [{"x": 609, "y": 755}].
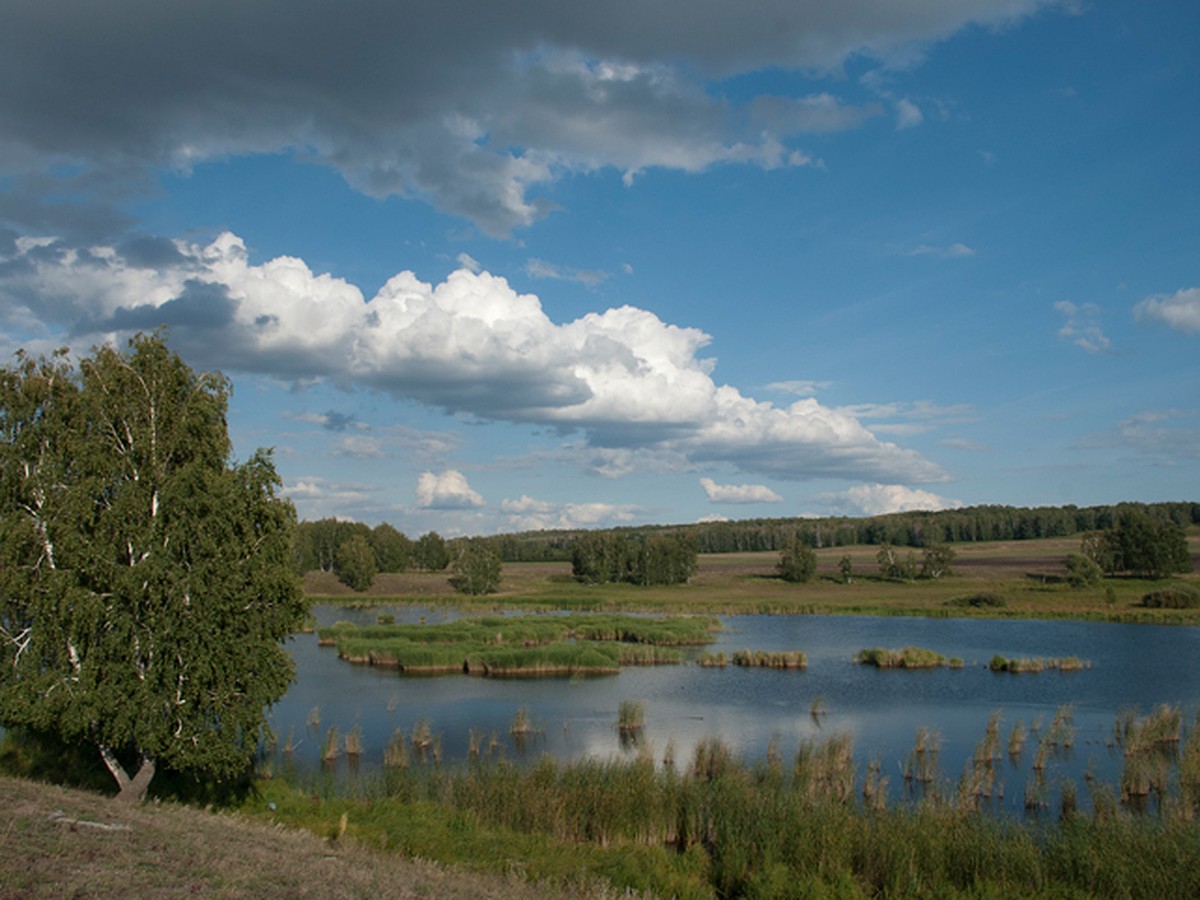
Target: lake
[{"x": 1138, "y": 666}]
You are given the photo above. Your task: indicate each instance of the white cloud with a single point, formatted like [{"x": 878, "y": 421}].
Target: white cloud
[
  {"x": 1180, "y": 311},
  {"x": 539, "y": 268},
  {"x": 799, "y": 387},
  {"x": 908, "y": 114},
  {"x": 625, "y": 378},
  {"x": 473, "y": 120},
  {"x": 1082, "y": 327},
  {"x": 880, "y": 499},
  {"x": 447, "y": 490},
  {"x": 528, "y": 514},
  {"x": 321, "y": 498},
  {"x": 468, "y": 262},
  {"x": 738, "y": 493},
  {"x": 360, "y": 446}
]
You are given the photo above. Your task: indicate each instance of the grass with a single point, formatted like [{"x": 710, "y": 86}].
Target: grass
[{"x": 1005, "y": 579}]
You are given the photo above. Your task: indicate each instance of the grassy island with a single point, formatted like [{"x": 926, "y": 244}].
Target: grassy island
[
  {"x": 906, "y": 658},
  {"x": 521, "y": 646}
]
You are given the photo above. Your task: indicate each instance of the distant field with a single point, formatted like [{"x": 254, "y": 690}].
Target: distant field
[{"x": 1026, "y": 575}]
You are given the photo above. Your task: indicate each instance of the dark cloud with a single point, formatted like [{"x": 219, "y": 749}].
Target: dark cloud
[
  {"x": 202, "y": 306},
  {"x": 470, "y": 104},
  {"x": 148, "y": 252},
  {"x": 336, "y": 421}
]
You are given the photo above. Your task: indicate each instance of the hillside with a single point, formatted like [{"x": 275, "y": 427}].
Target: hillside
[{"x": 65, "y": 843}]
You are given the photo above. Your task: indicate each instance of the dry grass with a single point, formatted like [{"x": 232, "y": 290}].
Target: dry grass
[{"x": 62, "y": 843}]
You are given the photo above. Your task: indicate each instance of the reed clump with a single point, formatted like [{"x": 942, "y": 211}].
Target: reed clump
[
  {"x": 1149, "y": 747},
  {"x": 631, "y": 716},
  {"x": 764, "y": 659},
  {"x": 522, "y": 724},
  {"x": 1000, "y": 663},
  {"x": 906, "y": 658}
]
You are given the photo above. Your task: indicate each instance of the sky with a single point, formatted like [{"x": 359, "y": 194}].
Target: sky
[{"x": 476, "y": 267}]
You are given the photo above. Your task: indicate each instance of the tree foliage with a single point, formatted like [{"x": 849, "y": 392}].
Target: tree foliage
[
  {"x": 431, "y": 553},
  {"x": 476, "y": 568},
  {"x": 145, "y": 583},
  {"x": 1082, "y": 571},
  {"x": 797, "y": 561},
  {"x": 354, "y": 563},
  {"x": 936, "y": 560},
  {"x": 1140, "y": 545},
  {"x": 392, "y": 549},
  {"x": 893, "y": 566},
  {"x": 607, "y": 557}
]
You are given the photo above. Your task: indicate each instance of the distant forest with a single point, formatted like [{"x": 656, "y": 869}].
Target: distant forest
[{"x": 911, "y": 529}]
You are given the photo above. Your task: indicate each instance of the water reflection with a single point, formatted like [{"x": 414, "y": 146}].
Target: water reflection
[{"x": 755, "y": 710}]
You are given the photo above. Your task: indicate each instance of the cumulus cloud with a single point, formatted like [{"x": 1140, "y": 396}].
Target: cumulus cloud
[
  {"x": 404, "y": 100},
  {"x": 447, "y": 490},
  {"x": 1180, "y": 311},
  {"x": 1082, "y": 326},
  {"x": 623, "y": 377},
  {"x": 528, "y": 514},
  {"x": 738, "y": 493},
  {"x": 880, "y": 499}
]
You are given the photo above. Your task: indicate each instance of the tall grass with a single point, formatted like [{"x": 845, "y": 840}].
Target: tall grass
[
  {"x": 720, "y": 826},
  {"x": 631, "y": 716}
]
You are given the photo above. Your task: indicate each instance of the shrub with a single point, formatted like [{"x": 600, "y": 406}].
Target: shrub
[
  {"x": 1082, "y": 571},
  {"x": 1175, "y": 596}
]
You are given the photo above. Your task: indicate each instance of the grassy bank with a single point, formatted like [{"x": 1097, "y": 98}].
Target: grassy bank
[{"x": 1025, "y": 579}]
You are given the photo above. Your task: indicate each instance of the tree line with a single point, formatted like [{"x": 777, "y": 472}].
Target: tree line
[{"x": 915, "y": 529}]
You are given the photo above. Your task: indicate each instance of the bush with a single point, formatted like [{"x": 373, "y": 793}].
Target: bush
[
  {"x": 1176, "y": 596},
  {"x": 1082, "y": 571}
]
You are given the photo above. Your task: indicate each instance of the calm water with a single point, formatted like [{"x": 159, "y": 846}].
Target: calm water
[{"x": 1132, "y": 666}]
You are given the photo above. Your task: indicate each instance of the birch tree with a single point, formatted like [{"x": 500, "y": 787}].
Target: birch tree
[{"x": 145, "y": 581}]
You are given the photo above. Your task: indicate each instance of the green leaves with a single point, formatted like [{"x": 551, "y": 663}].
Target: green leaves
[{"x": 147, "y": 583}]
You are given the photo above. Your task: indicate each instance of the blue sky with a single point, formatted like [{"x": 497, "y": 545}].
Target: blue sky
[{"x": 482, "y": 269}]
